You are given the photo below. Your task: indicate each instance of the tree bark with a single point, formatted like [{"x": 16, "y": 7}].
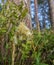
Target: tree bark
[
  {"x": 28, "y": 17},
  {"x": 43, "y": 14},
  {"x": 36, "y": 16},
  {"x": 51, "y": 7}
]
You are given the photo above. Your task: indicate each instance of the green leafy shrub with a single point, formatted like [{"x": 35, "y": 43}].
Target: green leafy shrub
[
  {"x": 10, "y": 17},
  {"x": 44, "y": 44}
]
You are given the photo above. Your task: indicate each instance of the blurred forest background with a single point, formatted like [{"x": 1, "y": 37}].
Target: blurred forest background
[{"x": 26, "y": 32}]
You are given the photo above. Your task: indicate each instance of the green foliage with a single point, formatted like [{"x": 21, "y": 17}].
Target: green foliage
[
  {"x": 44, "y": 44},
  {"x": 2, "y": 24},
  {"x": 49, "y": 48},
  {"x": 11, "y": 14},
  {"x": 31, "y": 48},
  {"x": 24, "y": 13},
  {"x": 10, "y": 17}
]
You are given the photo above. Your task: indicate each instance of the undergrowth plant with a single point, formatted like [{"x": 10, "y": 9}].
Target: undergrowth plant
[
  {"x": 19, "y": 45},
  {"x": 10, "y": 17}
]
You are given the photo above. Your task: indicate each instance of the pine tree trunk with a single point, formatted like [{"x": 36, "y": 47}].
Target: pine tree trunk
[
  {"x": 28, "y": 17},
  {"x": 36, "y": 16},
  {"x": 51, "y": 7},
  {"x": 43, "y": 13}
]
